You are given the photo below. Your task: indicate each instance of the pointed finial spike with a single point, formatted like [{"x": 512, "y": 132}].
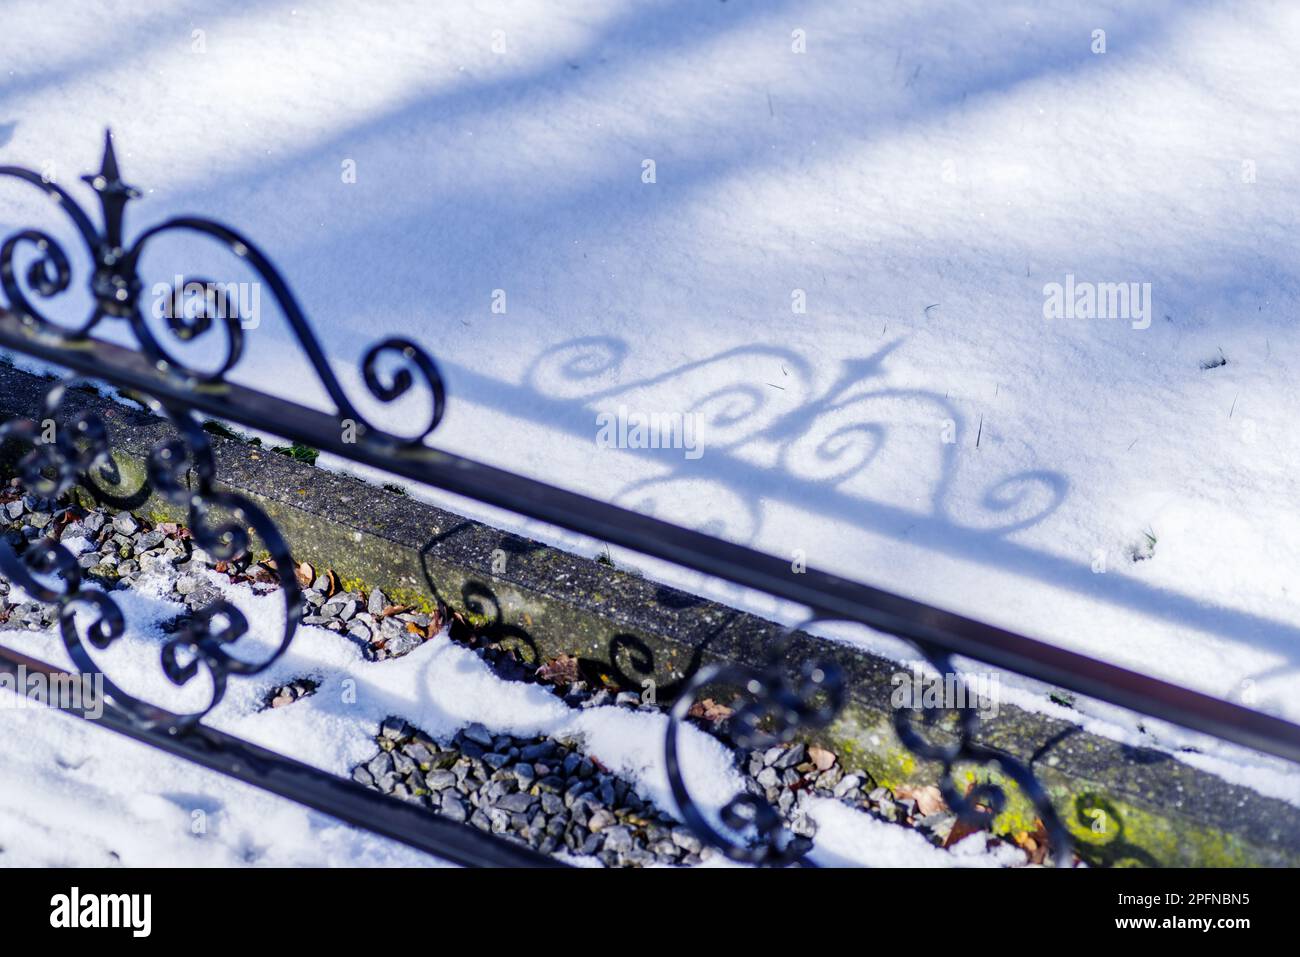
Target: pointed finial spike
[
  {"x": 109, "y": 167},
  {"x": 113, "y": 193}
]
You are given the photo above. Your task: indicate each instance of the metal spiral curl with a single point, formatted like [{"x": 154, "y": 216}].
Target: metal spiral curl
[
  {"x": 116, "y": 287},
  {"x": 402, "y": 380},
  {"x": 985, "y": 800},
  {"x": 180, "y": 469},
  {"x": 48, "y": 275},
  {"x": 51, "y": 273},
  {"x": 49, "y": 572},
  {"x": 781, "y": 706}
]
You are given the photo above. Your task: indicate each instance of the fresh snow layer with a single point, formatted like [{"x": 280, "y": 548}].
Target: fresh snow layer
[
  {"x": 79, "y": 785},
  {"x": 80, "y": 796},
  {"x": 919, "y": 174}
]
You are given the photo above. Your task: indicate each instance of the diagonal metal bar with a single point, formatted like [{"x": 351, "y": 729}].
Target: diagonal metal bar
[
  {"x": 829, "y": 596},
  {"x": 338, "y": 797}
]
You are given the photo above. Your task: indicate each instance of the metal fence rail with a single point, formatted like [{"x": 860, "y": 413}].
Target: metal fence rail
[{"x": 783, "y": 702}]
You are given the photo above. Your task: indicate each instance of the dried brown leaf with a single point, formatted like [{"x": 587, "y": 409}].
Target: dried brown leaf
[
  {"x": 1033, "y": 843},
  {"x": 437, "y": 620},
  {"x": 559, "y": 671},
  {"x": 962, "y": 828},
  {"x": 709, "y": 710},
  {"x": 928, "y": 799}
]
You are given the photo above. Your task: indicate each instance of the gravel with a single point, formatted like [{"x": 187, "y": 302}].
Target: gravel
[
  {"x": 544, "y": 792},
  {"x": 520, "y": 788}
]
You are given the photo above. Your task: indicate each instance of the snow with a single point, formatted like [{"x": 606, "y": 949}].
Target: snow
[
  {"x": 921, "y": 173},
  {"x": 846, "y": 838},
  {"x": 80, "y": 784},
  {"x": 79, "y": 796}
]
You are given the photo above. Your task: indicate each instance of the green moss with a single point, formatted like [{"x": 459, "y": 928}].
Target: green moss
[
  {"x": 298, "y": 452},
  {"x": 416, "y": 600},
  {"x": 477, "y": 619},
  {"x": 1109, "y": 830}
]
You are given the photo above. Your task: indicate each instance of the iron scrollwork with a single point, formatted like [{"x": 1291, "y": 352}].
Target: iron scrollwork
[
  {"x": 983, "y": 800},
  {"x": 116, "y": 287},
  {"x": 224, "y": 524},
  {"x": 220, "y": 523},
  {"x": 182, "y": 469},
  {"x": 779, "y": 707}
]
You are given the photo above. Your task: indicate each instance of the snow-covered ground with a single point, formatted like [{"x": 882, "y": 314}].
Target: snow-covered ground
[
  {"x": 914, "y": 178},
  {"x": 78, "y": 795}
]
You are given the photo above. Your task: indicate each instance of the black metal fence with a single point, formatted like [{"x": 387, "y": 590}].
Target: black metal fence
[{"x": 182, "y": 469}]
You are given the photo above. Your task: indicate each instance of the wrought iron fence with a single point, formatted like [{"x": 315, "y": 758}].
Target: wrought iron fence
[{"x": 182, "y": 469}]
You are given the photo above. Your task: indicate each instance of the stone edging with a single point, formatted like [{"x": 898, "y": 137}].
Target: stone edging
[{"x": 1124, "y": 804}]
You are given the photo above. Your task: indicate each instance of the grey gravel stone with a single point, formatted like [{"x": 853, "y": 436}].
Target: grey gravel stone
[
  {"x": 402, "y": 643},
  {"x": 685, "y": 838},
  {"x": 517, "y": 802},
  {"x": 534, "y": 752},
  {"x": 125, "y": 523},
  {"x": 343, "y": 610},
  {"x": 440, "y": 780},
  {"x": 850, "y": 782},
  {"x": 790, "y": 756},
  {"x": 393, "y": 728},
  {"x": 402, "y": 763},
  {"x": 420, "y": 754},
  {"x": 618, "y": 838},
  {"x": 454, "y": 807},
  {"x": 381, "y": 764},
  {"x": 600, "y": 820},
  {"x": 478, "y": 734},
  {"x": 496, "y": 761}
]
